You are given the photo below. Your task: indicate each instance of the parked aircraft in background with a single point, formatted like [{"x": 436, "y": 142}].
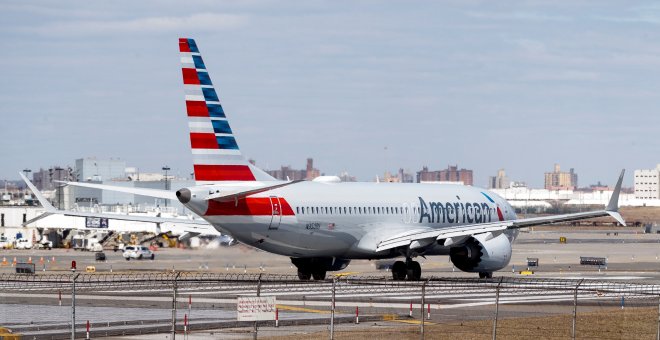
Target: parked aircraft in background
[
  {"x": 323, "y": 224},
  {"x": 182, "y": 227}
]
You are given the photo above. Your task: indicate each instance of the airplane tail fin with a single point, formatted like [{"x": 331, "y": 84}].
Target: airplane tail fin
[{"x": 216, "y": 156}]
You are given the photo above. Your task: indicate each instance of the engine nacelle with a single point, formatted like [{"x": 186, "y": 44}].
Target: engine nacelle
[{"x": 482, "y": 253}]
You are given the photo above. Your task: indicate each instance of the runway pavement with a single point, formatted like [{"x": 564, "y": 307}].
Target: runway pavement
[{"x": 632, "y": 259}]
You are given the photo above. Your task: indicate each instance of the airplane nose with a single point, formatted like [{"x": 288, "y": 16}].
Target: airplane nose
[{"x": 183, "y": 195}]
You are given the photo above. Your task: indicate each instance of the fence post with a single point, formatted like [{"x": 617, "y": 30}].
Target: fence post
[
  {"x": 254, "y": 334},
  {"x": 332, "y": 309},
  {"x": 73, "y": 306},
  {"x": 658, "y": 333},
  {"x": 422, "y": 302},
  {"x": 575, "y": 296},
  {"x": 174, "y": 288},
  {"x": 497, "y": 307}
]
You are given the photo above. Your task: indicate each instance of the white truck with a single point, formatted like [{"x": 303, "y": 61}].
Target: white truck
[{"x": 23, "y": 243}]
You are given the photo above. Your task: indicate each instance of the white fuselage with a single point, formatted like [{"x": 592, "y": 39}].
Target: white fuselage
[{"x": 346, "y": 220}]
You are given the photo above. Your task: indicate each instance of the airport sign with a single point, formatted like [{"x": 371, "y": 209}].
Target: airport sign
[{"x": 256, "y": 308}]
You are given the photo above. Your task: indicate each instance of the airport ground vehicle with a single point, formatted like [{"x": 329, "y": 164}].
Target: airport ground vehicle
[
  {"x": 45, "y": 244},
  {"x": 23, "y": 243},
  {"x": 138, "y": 252}
]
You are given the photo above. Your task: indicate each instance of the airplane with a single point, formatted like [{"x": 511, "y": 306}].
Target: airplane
[
  {"x": 323, "y": 224},
  {"x": 183, "y": 227}
]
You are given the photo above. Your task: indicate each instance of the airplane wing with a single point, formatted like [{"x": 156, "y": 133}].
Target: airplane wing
[
  {"x": 425, "y": 236},
  {"x": 185, "y": 226},
  {"x": 166, "y": 194},
  {"x": 230, "y": 192}
]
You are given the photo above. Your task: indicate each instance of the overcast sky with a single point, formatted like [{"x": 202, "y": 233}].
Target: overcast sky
[{"x": 360, "y": 86}]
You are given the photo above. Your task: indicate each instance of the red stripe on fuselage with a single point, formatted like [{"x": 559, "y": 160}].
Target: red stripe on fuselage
[
  {"x": 203, "y": 140},
  {"x": 183, "y": 45},
  {"x": 499, "y": 214},
  {"x": 223, "y": 173},
  {"x": 190, "y": 76},
  {"x": 250, "y": 206},
  {"x": 197, "y": 108}
]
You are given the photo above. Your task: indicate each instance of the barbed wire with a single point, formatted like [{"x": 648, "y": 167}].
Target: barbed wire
[{"x": 289, "y": 283}]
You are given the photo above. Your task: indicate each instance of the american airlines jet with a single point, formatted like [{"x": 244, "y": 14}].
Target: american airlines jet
[{"x": 324, "y": 224}]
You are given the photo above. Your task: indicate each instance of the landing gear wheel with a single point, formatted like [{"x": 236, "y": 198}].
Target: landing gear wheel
[
  {"x": 486, "y": 275},
  {"x": 304, "y": 275},
  {"x": 399, "y": 270},
  {"x": 319, "y": 275},
  {"x": 414, "y": 271}
]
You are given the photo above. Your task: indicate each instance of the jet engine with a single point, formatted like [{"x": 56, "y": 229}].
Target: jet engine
[{"x": 482, "y": 253}]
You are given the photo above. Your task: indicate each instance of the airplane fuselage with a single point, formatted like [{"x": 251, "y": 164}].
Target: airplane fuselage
[{"x": 343, "y": 220}]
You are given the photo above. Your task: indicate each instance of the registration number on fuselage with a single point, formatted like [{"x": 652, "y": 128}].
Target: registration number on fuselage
[{"x": 313, "y": 226}]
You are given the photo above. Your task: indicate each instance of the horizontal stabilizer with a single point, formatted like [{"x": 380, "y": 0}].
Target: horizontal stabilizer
[{"x": 228, "y": 196}]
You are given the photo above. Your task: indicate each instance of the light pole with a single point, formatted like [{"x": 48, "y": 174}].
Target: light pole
[{"x": 167, "y": 187}]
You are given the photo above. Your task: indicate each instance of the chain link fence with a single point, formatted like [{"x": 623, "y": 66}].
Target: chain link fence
[{"x": 181, "y": 303}]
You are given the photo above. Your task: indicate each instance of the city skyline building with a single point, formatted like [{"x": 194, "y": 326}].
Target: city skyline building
[
  {"x": 451, "y": 174},
  {"x": 501, "y": 181},
  {"x": 646, "y": 184},
  {"x": 558, "y": 180},
  {"x": 44, "y": 179},
  {"x": 286, "y": 172},
  {"x": 93, "y": 169}
]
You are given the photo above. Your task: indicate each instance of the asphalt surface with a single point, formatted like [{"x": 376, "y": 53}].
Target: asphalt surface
[{"x": 631, "y": 256}]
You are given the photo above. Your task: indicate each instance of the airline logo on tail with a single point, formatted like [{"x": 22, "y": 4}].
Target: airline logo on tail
[{"x": 216, "y": 156}]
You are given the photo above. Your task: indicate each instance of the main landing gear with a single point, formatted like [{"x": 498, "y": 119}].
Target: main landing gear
[
  {"x": 306, "y": 274},
  {"x": 409, "y": 269},
  {"x": 317, "y": 267},
  {"x": 485, "y": 275}
]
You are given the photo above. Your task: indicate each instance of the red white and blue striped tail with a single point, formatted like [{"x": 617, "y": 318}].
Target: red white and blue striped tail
[{"x": 216, "y": 156}]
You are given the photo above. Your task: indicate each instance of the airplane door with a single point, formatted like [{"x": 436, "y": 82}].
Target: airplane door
[{"x": 276, "y": 213}]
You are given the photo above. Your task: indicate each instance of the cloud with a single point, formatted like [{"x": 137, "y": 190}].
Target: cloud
[{"x": 164, "y": 24}]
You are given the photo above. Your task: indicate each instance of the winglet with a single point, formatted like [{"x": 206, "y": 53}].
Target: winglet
[
  {"x": 613, "y": 206},
  {"x": 44, "y": 202}
]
